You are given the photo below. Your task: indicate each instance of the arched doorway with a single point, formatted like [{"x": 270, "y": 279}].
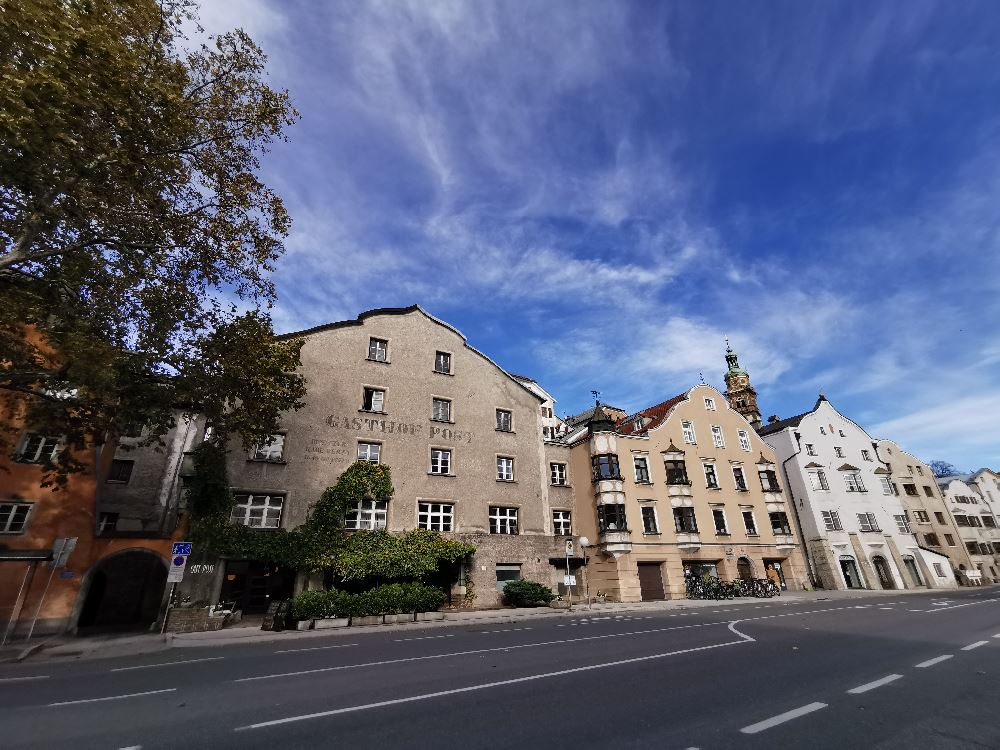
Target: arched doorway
[
  {"x": 883, "y": 572},
  {"x": 744, "y": 568},
  {"x": 124, "y": 592},
  {"x": 850, "y": 570}
]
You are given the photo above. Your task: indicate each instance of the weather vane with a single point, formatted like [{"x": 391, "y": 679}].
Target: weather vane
[
  {"x": 700, "y": 375},
  {"x": 597, "y": 396}
]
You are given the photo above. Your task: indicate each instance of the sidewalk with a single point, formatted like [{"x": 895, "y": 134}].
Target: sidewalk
[{"x": 71, "y": 648}]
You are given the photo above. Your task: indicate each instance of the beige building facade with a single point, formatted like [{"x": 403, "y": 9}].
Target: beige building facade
[
  {"x": 685, "y": 486},
  {"x": 976, "y": 520}
]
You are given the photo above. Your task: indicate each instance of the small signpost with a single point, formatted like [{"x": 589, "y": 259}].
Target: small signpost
[{"x": 179, "y": 553}]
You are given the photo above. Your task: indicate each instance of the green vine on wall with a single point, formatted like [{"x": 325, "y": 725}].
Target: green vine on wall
[{"x": 321, "y": 543}]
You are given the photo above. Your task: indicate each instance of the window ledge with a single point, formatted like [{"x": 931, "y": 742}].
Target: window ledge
[
  {"x": 280, "y": 461},
  {"x": 443, "y": 421},
  {"x": 439, "y": 372},
  {"x": 380, "y": 361},
  {"x": 438, "y": 474},
  {"x": 372, "y": 411},
  {"x": 646, "y": 483},
  {"x": 652, "y": 533},
  {"x": 744, "y": 489},
  {"x": 714, "y": 489},
  {"x": 724, "y": 533},
  {"x": 116, "y": 481},
  {"x": 507, "y": 481},
  {"x": 754, "y": 535},
  {"x": 509, "y": 432},
  {"x": 551, "y": 484}
]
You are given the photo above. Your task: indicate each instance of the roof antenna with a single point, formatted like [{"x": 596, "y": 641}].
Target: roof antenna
[{"x": 597, "y": 397}]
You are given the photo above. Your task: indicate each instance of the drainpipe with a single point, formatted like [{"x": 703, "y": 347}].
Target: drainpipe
[{"x": 795, "y": 510}]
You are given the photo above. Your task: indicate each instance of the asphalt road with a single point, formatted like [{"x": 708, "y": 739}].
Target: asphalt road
[{"x": 889, "y": 672}]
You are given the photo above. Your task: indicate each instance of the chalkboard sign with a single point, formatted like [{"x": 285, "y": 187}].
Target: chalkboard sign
[{"x": 274, "y": 618}]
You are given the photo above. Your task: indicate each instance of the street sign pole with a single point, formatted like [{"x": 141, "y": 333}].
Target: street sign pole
[
  {"x": 569, "y": 588},
  {"x": 179, "y": 552}
]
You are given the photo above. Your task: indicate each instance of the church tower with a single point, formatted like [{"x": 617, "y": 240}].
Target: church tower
[{"x": 741, "y": 395}]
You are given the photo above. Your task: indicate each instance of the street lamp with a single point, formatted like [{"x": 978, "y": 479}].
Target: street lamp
[{"x": 584, "y": 543}]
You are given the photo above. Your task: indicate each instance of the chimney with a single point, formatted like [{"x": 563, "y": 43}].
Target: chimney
[{"x": 772, "y": 419}]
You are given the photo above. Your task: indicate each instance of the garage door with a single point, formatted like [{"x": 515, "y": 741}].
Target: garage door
[{"x": 651, "y": 581}]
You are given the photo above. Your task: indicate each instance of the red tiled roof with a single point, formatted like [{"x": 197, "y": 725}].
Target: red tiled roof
[{"x": 655, "y": 413}]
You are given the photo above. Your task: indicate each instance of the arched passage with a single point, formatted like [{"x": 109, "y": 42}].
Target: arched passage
[
  {"x": 744, "y": 568},
  {"x": 124, "y": 591}
]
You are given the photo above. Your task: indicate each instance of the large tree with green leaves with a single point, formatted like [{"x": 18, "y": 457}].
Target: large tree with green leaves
[{"x": 137, "y": 238}]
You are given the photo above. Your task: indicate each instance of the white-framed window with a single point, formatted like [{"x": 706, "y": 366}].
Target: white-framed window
[
  {"x": 717, "y": 439},
  {"x": 120, "y": 471},
  {"x": 641, "y": 464},
  {"x": 562, "y": 523},
  {"x": 853, "y": 481},
  {"x": 921, "y": 516},
  {"x": 685, "y": 521},
  {"x": 710, "y": 403},
  {"x": 938, "y": 570},
  {"x": 711, "y": 478},
  {"x": 505, "y": 468},
  {"x": 557, "y": 474},
  {"x": 719, "y": 516},
  {"x": 436, "y": 516},
  {"x": 903, "y": 524},
  {"x": 768, "y": 480},
  {"x": 258, "y": 511},
  {"x": 779, "y": 523},
  {"x": 740, "y": 478},
  {"x": 378, "y": 350},
  {"x": 505, "y": 420},
  {"x": 866, "y": 455},
  {"x": 503, "y": 520},
  {"x": 687, "y": 429},
  {"x": 831, "y": 519},
  {"x": 744, "y": 440},
  {"x": 650, "y": 523},
  {"x": 507, "y": 572},
  {"x": 887, "y": 488},
  {"x": 370, "y": 452},
  {"x": 867, "y": 522},
  {"x": 440, "y": 410},
  {"x": 817, "y": 479},
  {"x": 272, "y": 449},
  {"x": 440, "y": 461},
  {"x": 810, "y": 449},
  {"x": 14, "y": 517},
  {"x": 750, "y": 522},
  {"x": 373, "y": 399},
  {"x": 38, "y": 449},
  {"x": 367, "y": 514},
  {"x": 822, "y": 430},
  {"x": 442, "y": 362},
  {"x": 839, "y": 451}
]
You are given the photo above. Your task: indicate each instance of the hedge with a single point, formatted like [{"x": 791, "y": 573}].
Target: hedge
[
  {"x": 526, "y": 594},
  {"x": 388, "y": 599}
]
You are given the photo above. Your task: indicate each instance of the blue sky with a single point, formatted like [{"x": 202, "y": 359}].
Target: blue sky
[{"x": 597, "y": 193}]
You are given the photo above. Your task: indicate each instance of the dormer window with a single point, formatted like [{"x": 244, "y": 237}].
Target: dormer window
[{"x": 378, "y": 350}]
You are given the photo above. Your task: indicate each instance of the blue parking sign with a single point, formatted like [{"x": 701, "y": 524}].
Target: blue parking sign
[{"x": 181, "y": 548}]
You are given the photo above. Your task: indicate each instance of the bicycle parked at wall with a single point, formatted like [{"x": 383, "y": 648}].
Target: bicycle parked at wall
[{"x": 710, "y": 587}]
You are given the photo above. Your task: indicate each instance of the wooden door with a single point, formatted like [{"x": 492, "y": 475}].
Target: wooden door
[{"x": 651, "y": 581}]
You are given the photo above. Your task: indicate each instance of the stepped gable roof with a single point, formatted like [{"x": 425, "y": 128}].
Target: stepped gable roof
[{"x": 657, "y": 414}]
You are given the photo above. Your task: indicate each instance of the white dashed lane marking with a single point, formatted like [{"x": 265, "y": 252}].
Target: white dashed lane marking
[
  {"x": 932, "y": 662},
  {"x": 32, "y": 677},
  {"x": 874, "y": 684},
  {"x": 113, "y": 697},
  {"x": 977, "y": 644},
  {"x": 166, "y": 664},
  {"x": 423, "y": 638},
  {"x": 774, "y": 721}
]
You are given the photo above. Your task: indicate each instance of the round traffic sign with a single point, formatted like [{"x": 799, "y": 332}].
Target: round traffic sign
[{"x": 179, "y": 561}]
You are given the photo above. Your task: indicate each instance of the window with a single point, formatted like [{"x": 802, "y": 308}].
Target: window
[
  {"x": 961, "y": 520},
  {"x": 939, "y": 517},
  {"x": 503, "y": 520},
  {"x": 887, "y": 488},
  {"x": 257, "y": 511},
  {"x": 867, "y": 522},
  {"x": 839, "y": 451},
  {"x": 989, "y": 522},
  {"x": 928, "y": 491},
  {"x": 561, "y": 523},
  {"x": 711, "y": 479},
  {"x": 841, "y": 433},
  {"x": 779, "y": 523},
  {"x": 866, "y": 455},
  {"x": 684, "y": 521},
  {"x": 649, "y": 522},
  {"x": 739, "y": 478},
  {"x": 546, "y": 411},
  {"x": 605, "y": 466},
  {"x": 442, "y": 362},
  {"x": 557, "y": 474},
  {"x": 920, "y": 470},
  {"x": 505, "y": 420},
  {"x": 505, "y": 469},
  {"x": 768, "y": 480},
  {"x": 441, "y": 410},
  {"x": 950, "y": 540},
  {"x": 717, "y": 439},
  {"x": 14, "y": 517},
  {"x": 435, "y": 516},
  {"x": 507, "y": 573},
  {"x": 902, "y": 524},
  {"x": 676, "y": 471},
  {"x": 822, "y": 430},
  {"x": 367, "y": 514},
  {"x": 641, "y": 464},
  {"x": 931, "y": 540},
  {"x": 611, "y": 517},
  {"x": 272, "y": 449},
  {"x": 687, "y": 429},
  {"x": 374, "y": 400},
  {"x": 749, "y": 523},
  {"x": 854, "y": 483},
  {"x": 831, "y": 519},
  {"x": 440, "y": 461},
  {"x": 719, "y": 516},
  {"x": 38, "y": 449},
  {"x": 921, "y": 516},
  {"x": 710, "y": 404},
  {"x": 910, "y": 489},
  {"x": 120, "y": 471},
  {"x": 370, "y": 452},
  {"x": 817, "y": 479},
  {"x": 107, "y": 522},
  {"x": 938, "y": 569},
  {"x": 378, "y": 350},
  {"x": 810, "y": 449},
  {"x": 744, "y": 440},
  {"x": 972, "y": 547}
]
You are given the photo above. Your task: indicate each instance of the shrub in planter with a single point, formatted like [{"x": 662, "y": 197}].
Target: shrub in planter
[
  {"x": 527, "y": 594},
  {"x": 312, "y": 605},
  {"x": 389, "y": 599}
]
